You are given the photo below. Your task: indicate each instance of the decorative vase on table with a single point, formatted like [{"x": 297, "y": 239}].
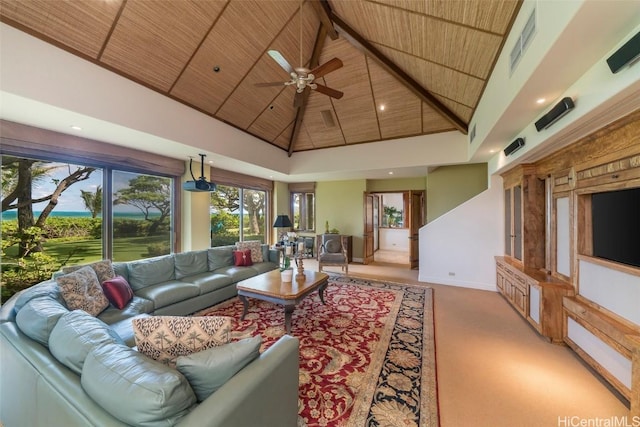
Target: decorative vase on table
[{"x": 286, "y": 275}]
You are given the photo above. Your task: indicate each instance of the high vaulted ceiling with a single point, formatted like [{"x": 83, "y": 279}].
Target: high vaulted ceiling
[{"x": 410, "y": 67}]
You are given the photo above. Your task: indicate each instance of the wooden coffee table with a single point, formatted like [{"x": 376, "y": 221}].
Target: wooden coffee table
[{"x": 269, "y": 287}]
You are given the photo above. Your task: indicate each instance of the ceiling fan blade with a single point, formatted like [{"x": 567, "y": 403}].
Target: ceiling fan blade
[
  {"x": 326, "y": 68},
  {"x": 328, "y": 91},
  {"x": 277, "y": 56},
  {"x": 269, "y": 84}
]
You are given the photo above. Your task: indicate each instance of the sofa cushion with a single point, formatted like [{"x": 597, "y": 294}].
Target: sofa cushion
[
  {"x": 237, "y": 273},
  {"x": 135, "y": 389},
  {"x": 208, "y": 370},
  {"x": 124, "y": 329},
  {"x": 81, "y": 290},
  {"x": 221, "y": 256},
  {"x": 242, "y": 258},
  {"x": 263, "y": 267},
  {"x": 164, "y": 338},
  {"x": 48, "y": 288},
  {"x": 121, "y": 269},
  {"x": 210, "y": 281},
  {"x": 117, "y": 291},
  {"x": 255, "y": 246},
  {"x": 136, "y": 306},
  {"x": 104, "y": 269},
  {"x": 75, "y": 334},
  {"x": 189, "y": 263},
  {"x": 265, "y": 252},
  {"x": 168, "y": 293},
  {"x": 37, "y": 318},
  {"x": 147, "y": 272}
]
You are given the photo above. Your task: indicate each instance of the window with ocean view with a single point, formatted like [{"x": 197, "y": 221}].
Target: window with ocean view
[{"x": 56, "y": 214}]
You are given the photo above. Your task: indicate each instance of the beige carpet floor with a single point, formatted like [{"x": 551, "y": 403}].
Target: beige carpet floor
[{"x": 495, "y": 370}]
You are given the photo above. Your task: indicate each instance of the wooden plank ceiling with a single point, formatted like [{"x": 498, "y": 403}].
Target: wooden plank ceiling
[{"x": 411, "y": 67}]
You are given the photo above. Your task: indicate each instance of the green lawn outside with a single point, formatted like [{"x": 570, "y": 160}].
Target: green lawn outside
[{"x": 88, "y": 250}]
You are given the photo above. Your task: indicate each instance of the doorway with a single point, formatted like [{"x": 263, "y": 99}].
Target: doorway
[{"x": 392, "y": 221}]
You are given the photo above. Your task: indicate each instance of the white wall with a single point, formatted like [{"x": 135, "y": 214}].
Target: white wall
[
  {"x": 394, "y": 239},
  {"x": 458, "y": 248}
]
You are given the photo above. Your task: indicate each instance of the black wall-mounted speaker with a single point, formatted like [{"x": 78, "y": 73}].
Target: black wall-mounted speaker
[
  {"x": 626, "y": 54},
  {"x": 560, "y": 109},
  {"x": 514, "y": 146}
]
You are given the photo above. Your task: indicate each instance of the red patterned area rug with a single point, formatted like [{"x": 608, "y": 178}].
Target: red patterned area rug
[{"x": 367, "y": 357}]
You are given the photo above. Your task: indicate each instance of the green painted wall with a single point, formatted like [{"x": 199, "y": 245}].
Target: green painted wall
[
  {"x": 341, "y": 203},
  {"x": 402, "y": 184},
  {"x": 449, "y": 186}
]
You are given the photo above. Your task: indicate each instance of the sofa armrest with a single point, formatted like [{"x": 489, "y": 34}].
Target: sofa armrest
[{"x": 264, "y": 393}]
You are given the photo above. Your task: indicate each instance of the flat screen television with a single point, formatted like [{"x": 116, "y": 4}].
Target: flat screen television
[{"x": 615, "y": 218}]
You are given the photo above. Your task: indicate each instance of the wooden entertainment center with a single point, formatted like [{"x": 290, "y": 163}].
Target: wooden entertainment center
[{"x": 549, "y": 272}]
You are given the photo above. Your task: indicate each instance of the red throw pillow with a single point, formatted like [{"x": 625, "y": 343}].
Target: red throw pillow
[
  {"x": 242, "y": 258},
  {"x": 117, "y": 291}
]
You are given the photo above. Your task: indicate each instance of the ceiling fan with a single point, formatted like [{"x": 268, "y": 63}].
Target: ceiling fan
[{"x": 302, "y": 77}]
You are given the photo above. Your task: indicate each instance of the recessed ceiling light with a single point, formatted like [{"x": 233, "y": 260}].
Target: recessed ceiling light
[
  {"x": 492, "y": 151},
  {"x": 382, "y": 107},
  {"x": 74, "y": 127},
  {"x": 390, "y": 172},
  {"x": 540, "y": 100}
]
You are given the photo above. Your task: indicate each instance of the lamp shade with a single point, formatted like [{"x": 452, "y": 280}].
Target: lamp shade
[{"x": 282, "y": 221}]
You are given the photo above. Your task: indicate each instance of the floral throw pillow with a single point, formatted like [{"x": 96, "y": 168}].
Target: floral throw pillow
[
  {"x": 255, "y": 246},
  {"x": 165, "y": 338},
  {"x": 104, "y": 269},
  {"x": 81, "y": 290}
]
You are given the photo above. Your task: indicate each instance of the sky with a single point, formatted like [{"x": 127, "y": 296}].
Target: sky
[{"x": 70, "y": 200}]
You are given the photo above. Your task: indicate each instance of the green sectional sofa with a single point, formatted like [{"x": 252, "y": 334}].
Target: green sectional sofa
[{"x": 64, "y": 367}]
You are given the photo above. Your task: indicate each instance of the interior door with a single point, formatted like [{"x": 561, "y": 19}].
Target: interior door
[
  {"x": 416, "y": 220},
  {"x": 368, "y": 235}
]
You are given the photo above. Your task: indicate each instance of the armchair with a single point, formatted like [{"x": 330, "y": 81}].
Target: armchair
[{"x": 332, "y": 250}]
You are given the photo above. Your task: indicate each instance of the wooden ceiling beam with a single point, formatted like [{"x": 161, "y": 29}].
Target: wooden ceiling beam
[
  {"x": 401, "y": 75},
  {"x": 313, "y": 63},
  {"x": 323, "y": 14}
]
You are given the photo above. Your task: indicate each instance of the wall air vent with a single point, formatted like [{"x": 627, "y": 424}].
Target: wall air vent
[{"x": 523, "y": 41}]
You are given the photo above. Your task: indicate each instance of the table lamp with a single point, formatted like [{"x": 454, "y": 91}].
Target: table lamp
[{"x": 282, "y": 221}]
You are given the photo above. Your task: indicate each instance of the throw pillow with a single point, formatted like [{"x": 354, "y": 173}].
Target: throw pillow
[
  {"x": 256, "y": 249},
  {"x": 242, "y": 258},
  {"x": 82, "y": 291},
  {"x": 208, "y": 370},
  {"x": 117, "y": 291},
  {"x": 104, "y": 269},
  {"x": 164, "y": 338}
]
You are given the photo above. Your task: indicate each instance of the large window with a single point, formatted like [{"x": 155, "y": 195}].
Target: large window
[
  {"x": 238, "y": 214},
  {"x": 141, "y": 216},
  {"x": 303, "y": 206},
  {"x": 56, "y": 214}
]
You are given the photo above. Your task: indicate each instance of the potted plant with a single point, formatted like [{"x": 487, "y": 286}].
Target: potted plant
[{"x": 286, "y": 272}]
